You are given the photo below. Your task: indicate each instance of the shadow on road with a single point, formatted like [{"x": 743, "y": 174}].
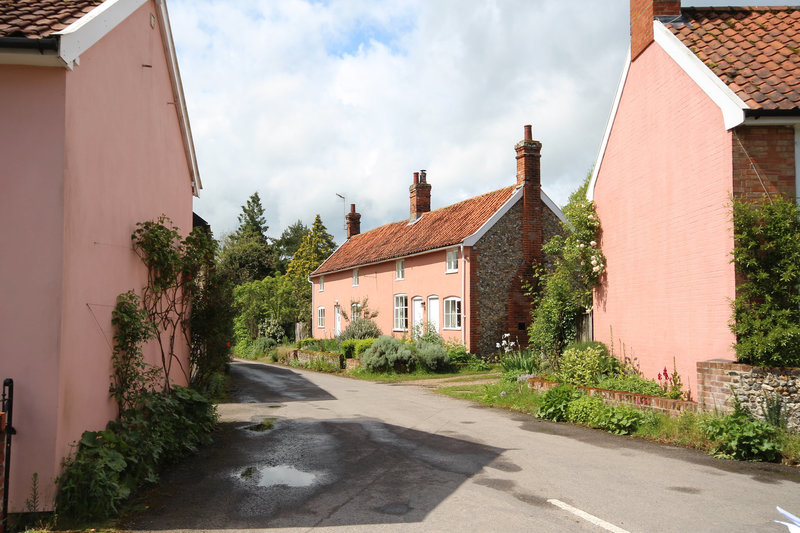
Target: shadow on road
[
  {"x": 257, "y": 383},
  {"x": 303, "y": 473}
]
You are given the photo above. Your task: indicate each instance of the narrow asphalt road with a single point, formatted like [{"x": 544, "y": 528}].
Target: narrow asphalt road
[{"x": 301, "y": 450}]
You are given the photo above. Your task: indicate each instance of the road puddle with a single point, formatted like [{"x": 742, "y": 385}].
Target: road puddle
[{"x": 270, "y": 476}]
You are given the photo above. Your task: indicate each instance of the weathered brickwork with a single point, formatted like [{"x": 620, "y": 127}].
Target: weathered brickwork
[
  {"x": 498, "y": 258},
  {"x": 771, "y": 154},
  {"x": 720, "y": 380}
]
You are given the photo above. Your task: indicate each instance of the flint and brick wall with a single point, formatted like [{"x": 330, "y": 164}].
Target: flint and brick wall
[
  {"x": 771, "y": 152},
  {"x": 495, "y": 260},
  {"x": 720, "y": 380}
]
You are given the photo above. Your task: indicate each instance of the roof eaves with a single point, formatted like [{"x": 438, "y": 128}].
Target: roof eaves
[
  {"x": 732, "y": 107},
  {"x": 318, "y": 273}
]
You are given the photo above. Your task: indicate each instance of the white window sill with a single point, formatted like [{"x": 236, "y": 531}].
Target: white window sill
[
  {"x": 451, "y": 271},
  {"x": 451, "y": 329},
  {"x": 399, "y": 330}
]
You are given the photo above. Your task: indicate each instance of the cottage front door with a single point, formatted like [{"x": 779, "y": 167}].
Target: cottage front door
[
  {"x": 433, "y": 312},
  {"x": 416, "y": 314},
  {"x": 337, "y": 320}
]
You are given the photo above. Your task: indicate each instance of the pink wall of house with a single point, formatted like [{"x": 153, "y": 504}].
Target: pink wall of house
[
  {"x": 663, "y": 194},
  {"x": 31, "y": 239},
  {"x": 425, "y": 276},
  {"x": 112, "y": 132}
]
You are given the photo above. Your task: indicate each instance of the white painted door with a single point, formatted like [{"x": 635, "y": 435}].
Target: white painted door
[
  {"x": 433, "y": 312},
  {"x": 337, "y": 320},
  {"x": 416, "y": 314}
]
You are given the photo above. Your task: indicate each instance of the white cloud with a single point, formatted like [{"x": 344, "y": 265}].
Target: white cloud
[{"x": 300, "y": 100}]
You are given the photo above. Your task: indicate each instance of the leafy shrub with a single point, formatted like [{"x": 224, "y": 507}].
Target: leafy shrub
[
  {"x": 348, "y": 348},
  {"x": 457, "y": 352},
  {"x": 620, "y": 419},
  {"x": 363, "y": 345},
  {"x": 583, "y": 363},
  {"x": 310, "y": 344},
  {"x": 521, "y": 362},
  {"x": 432, "y": 356},
  {"x": 360, "y": 328},
  {"x": 738, "y": 436},
  {"x": 330, "y": 346},
  {"x": 109, "y": 465},
  {"x": 766, "y": 312},
  {"x": 388, "y": 354},
  {"x": 555, "y": 402},
  {"x": 260, "y": 347},
  {"x": 631, "y": 383},
  {"x": 585, "y": 410}
]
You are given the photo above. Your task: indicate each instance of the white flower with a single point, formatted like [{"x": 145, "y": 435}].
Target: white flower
[
  {"x": 512, "y": 343},
  {"x": 594, "y": 260},
  {"x": 497, "y": 344},
  {"x": 593, "y": 243},
  {"x": 581, "y": 245},
  {"x": 506, "y": 335}
]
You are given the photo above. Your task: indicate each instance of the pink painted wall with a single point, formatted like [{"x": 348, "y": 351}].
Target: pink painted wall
[
  {"x": 31, "y": 240},
  {"x": 424, "y": 276},
  {"x": 662, "y": 196},
  {"x": 117, "y": 159}
]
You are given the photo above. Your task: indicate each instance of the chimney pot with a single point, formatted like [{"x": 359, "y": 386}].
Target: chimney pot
[
  {"x": 528, "y": 132},
  {"x": 416, "y": 178},
  {"x": 420, "y": 195},
  {"x": 352, "y": 208},
  {"x": 353, "y": 220}
]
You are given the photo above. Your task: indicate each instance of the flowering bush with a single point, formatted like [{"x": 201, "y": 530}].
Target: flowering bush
[{"x": 563, "y": 293}]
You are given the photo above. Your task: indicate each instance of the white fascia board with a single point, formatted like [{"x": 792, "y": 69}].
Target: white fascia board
[
  {"x": 609, "y": 124},
  {"x": 729, "y": 103},
  {"x": 93, "y": 26},
  {"x": 177, "y": 92},
  {"x": 379, "y": 261},
  {"x": 472, "y": 239}
]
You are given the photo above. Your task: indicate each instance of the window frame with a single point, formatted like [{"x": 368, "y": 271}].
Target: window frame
[
  {"x": 322, "y": 284},
  {"x": 402, "y": 315},
  {"x": 449, "y": 315},
  {"x": 448, "y": 269},
  {"x": 400, "y": 270},
  {"x": 355, "y": 277},
  {"x": 321, "y": 317}
]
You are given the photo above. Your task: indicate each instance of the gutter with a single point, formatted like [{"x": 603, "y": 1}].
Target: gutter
[
  {"x": 463, "y": 288},
  {"x": 24, "y": 43}
]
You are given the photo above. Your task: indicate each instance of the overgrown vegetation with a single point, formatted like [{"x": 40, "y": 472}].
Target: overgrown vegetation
[
  {"x": 563, "y": 294},
  {"x": 766, "y": 312},
  {"x": 737, "y": 436}
]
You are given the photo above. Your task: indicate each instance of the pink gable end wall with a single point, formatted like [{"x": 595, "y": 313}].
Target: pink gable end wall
[
  {"x": 662, "y": 195},
  {"x": 104, "y": 153}
]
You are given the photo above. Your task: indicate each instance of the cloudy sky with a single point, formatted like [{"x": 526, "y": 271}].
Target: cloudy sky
[{"x": 300, "y": 100}]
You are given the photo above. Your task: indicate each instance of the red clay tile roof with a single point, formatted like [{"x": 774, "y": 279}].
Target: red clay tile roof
[
  {"x": 444, "y": 227},
  {"x": 755, "y": 50},
  {"x": 35, "y": 19}
]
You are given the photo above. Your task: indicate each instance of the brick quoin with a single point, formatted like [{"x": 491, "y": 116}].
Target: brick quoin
[
  {"x": 474, "y": 301},
  {"x": 771, "y": 152}
]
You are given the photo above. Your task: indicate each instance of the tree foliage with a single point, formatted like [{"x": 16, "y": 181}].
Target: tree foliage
[
  {"x": 316, "y": 246},
  {"x": 285, "y": 246},
  {"x": 766, "y": 312},
  {"x": 565, "y": 292},
  {"x": 246, "y": 253}
]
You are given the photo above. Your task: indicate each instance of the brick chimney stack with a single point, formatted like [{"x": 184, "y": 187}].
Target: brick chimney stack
[
  {"x": 420, "y": 195},
  {"x": 529, "y": 178},
  {"x": 642, "y": 14},
  {"x": 353, "y": 221}
]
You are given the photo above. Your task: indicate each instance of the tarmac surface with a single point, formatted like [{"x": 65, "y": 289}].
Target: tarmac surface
[{"x": 301, "y": 450}]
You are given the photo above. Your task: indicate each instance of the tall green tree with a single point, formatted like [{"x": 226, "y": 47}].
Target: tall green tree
[
  {"x": 316, "y": 246},
  {"x": 285, "y": 246},
  {"x": 252, "y": 222},
  {"x": 246, "y": 254}
]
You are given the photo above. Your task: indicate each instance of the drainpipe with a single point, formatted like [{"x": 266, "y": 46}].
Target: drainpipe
[
  {"x": 311, "y": 318},
  {"x": 463, "y": 302}
]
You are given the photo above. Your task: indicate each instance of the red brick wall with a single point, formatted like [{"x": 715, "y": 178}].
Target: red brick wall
[
  {"x": 642, "y": 13},
  {"x": 771, "y": 157}
]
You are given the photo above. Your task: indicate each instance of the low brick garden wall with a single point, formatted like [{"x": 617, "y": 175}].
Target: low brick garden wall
[
  {"x": 611, "y": 397},
  {"x": 719, "y": 380}
]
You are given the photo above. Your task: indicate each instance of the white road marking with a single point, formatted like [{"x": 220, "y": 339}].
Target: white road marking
[{"x": 586, "y": 516}]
